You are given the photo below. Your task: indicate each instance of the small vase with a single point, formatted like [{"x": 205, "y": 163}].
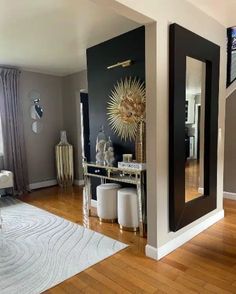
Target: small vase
[
  {"x": 100, "y": 147},
  {"x": 109, "y": 153}
]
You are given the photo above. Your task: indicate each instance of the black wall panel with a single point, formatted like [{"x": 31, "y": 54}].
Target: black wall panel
[{"x": 101, "y": 81}]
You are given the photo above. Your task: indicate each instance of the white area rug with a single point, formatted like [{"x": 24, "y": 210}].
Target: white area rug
[{"x": 39, "y": 250}]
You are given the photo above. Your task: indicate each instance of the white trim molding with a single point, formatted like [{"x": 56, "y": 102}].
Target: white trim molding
[
  {"x": 43, "y": 184},
  {"x": 78, "y": 182},
  {"x": 160, "y": 252},
  {"x": 200, "y": 190},
  {"x": 49, "y": 183},
  {"x": 229, "y": 195},
  {"x": 151, "y": 252}
]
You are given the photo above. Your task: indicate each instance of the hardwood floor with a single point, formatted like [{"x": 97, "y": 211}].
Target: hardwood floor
[
  {"x": 206, "y": 264},
  {"x": 192, "y": 180}
]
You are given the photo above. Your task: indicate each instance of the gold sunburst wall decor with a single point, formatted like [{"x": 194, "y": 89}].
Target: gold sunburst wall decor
[{"x": 126, "y": 107}]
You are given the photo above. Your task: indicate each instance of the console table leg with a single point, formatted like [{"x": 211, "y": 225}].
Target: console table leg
[
  {"x": 140, "y": 210},
  {"x": 87, "y": 196}
]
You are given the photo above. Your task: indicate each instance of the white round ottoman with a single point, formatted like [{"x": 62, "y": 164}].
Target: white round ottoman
[
  {"x": 128, "y": 209},
  {"x": 107, "y": 202}
]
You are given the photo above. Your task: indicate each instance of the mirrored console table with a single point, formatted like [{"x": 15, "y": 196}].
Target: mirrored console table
[{"x": 122, "y": 175}]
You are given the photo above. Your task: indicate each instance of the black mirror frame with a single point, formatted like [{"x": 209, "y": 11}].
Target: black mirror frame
[{"x": 185, "y": 43}]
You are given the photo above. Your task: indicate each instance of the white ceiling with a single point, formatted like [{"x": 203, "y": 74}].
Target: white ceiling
[
  {"x": 224, "y": 11},
  {"x": 51, "y": 36}
]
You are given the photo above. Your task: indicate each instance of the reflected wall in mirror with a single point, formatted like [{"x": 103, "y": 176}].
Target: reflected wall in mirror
[
  {"x": 34, "y": 95},
  {"x": 194, "y": 128},
  {"x": 36, "y": 110}
]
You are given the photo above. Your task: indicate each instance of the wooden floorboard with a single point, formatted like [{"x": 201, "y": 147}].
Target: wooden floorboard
[{"x": 206, "y": 264}]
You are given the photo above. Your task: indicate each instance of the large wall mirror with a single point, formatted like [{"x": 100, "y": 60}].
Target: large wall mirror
[{"x": 193, "y": 126}]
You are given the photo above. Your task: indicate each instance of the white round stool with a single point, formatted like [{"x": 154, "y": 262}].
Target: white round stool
[
  {"x": 107, "y": 202},
  {"x": 128, "y": 209}
]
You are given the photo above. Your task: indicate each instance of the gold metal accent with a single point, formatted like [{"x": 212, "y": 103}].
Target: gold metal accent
[
  {"x": 126, "y": 107},
  {"x": 140, "y": 142},
  {"x": 128, "y": 229},
  {"x": 105, "y": 220},
  {"x": 64, "y": 164},
  {"x": 122, "y": 63}
]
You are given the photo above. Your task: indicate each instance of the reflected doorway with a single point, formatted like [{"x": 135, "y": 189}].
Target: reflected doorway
[{"x": 84, "y": 120}]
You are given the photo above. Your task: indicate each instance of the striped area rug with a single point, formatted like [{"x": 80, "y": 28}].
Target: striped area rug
[{"x": 39, "y": 250}]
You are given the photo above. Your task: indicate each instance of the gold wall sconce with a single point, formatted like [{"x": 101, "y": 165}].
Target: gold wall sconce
[{"x": 125, "y": 63}]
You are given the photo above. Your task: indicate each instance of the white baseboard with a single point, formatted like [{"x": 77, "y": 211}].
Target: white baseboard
[
  {"x": 93, "y": 203},
  {"x": 43, "y": 184},
  {"x": 229, "y": 195},
  {"x": 78, "y": 182},
  {"x": 158, "y": 253},
  {"x": 200, "y": 190},
  {"x": 151, "y": 252},
  {"x": 50, "y": 183}
]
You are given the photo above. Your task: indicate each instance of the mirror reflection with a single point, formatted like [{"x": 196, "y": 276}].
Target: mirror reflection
[
  {"x": 194, "y": 128},
  {"x": 36, "y": 111},
  {"x": 37, "y": 127},
  {"x": 34, "y": 95}
]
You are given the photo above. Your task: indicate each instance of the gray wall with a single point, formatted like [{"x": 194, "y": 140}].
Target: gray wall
[
  {"x": 40, "y": 147},
  {"x": 60, "y": 100},
  {"x": 230, "y": 145},
  {"x": 72, "y": 85}
]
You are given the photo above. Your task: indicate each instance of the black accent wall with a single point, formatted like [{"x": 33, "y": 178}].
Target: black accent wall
[{"x": 101, "y": 81}]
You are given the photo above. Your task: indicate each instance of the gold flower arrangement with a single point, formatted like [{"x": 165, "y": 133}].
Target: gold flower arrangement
[{"x": 127, "y": 107}]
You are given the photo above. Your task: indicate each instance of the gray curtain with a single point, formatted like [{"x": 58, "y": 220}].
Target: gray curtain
[{"x": 14, "y": 158}]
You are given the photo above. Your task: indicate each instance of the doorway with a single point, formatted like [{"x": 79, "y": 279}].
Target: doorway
[{"x": 84, "y": 120}]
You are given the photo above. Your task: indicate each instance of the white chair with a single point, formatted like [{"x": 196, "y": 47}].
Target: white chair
[
  {"x": 107, "y": 202},
  {"x": 6, "y": 179},
  {"x": 128, "y": 209}
]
